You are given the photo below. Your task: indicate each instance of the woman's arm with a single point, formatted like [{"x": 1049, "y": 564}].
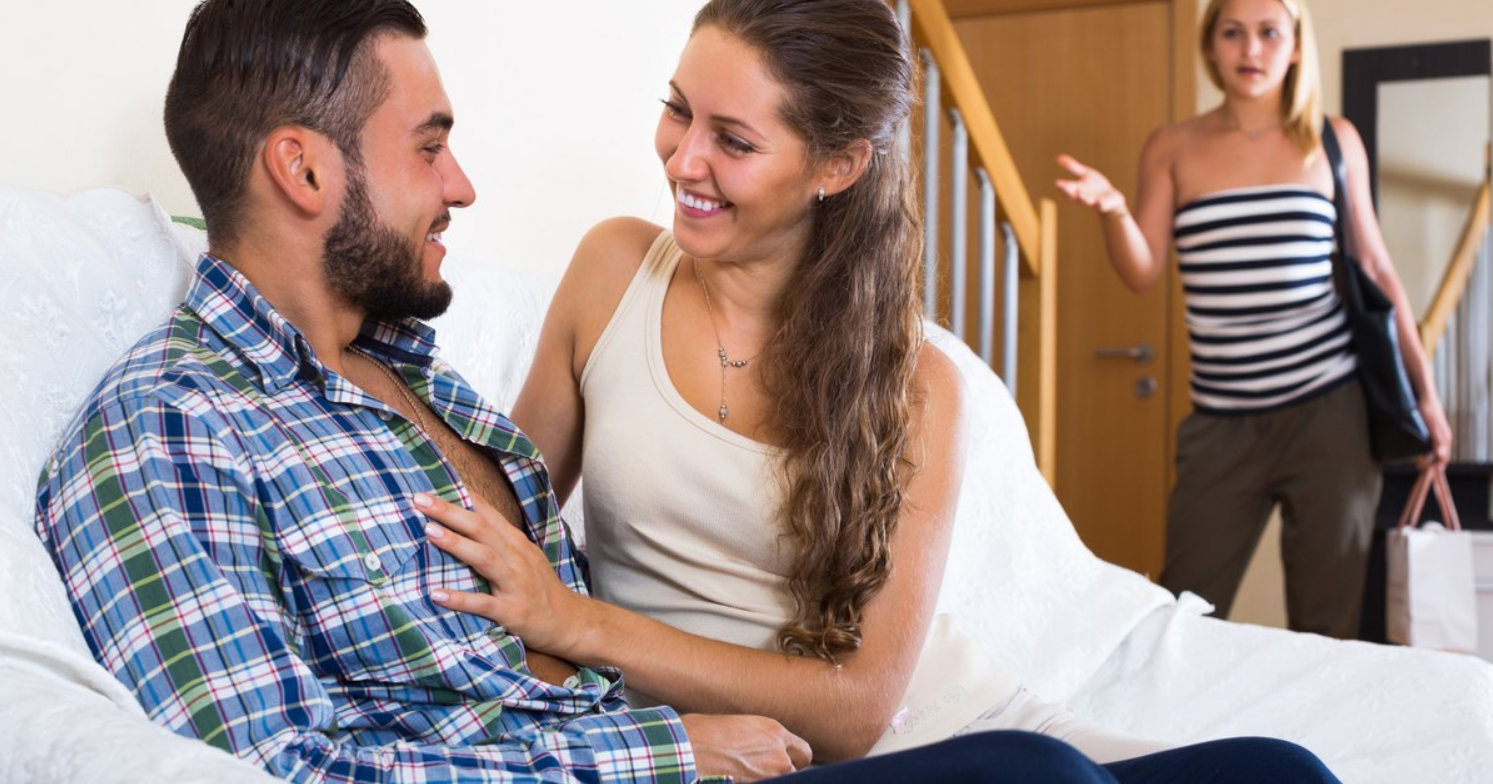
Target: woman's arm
[
  {"x": 840, "y": 710},
  {"x": 1138, "y": 240},
  {"x": 1373, "y": 256},
  {"x": 549, "y": 408}
]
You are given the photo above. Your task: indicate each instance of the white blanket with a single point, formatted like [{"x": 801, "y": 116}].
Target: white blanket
[{"x": 1374, "y": 713}]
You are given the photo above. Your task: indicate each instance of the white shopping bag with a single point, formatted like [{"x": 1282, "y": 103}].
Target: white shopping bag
[{"x": 1431, "y": 598}]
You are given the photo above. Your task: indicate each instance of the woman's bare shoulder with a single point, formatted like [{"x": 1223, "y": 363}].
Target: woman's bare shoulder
[
  {"x": 1347, "y": 133},
  {"x": 939, "y": 384},
  {"x": 1172, "y": 139},
  {"x": 604, "y": 265},
  {"x": 615, "y": 247},
  {"x": 605, "y": 262}
]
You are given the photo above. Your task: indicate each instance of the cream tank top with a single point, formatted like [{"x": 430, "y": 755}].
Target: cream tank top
[{"x": 681, "y": 519}]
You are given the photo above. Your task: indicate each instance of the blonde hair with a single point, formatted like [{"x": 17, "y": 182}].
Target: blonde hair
[{"x": 1301, "y": 96}]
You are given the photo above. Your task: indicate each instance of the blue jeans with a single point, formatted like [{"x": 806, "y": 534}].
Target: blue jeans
[{"x": 1010, "y": 757}]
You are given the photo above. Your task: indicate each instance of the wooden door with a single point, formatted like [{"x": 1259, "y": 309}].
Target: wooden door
[{"x": 1093, "y": 82}]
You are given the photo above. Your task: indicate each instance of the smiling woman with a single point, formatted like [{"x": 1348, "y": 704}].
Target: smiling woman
[{"x": 741, "y": 174}]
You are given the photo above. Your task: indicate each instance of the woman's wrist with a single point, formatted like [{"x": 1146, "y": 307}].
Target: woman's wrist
[
  {"x": 596, "y": 636},
  {"x": 1117, "y": 209},
  {"x": 1429, "y": 400}
]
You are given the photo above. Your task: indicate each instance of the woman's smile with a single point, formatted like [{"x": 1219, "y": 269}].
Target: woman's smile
[{"x": 694, "y": 205}]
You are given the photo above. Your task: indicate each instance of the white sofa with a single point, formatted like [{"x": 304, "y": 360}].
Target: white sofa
[{"x": 85, "y": 275}]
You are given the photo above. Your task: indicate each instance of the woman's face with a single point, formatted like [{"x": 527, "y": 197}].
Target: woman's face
[
  {"x": 1253, "y": 46},
  {"x": 743, "y": 188}
]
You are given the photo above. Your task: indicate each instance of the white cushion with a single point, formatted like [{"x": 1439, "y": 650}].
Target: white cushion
[
  {"x": 1019, "y": 579},
  {"x": 492, "y": 328},
  {"x": 64, "y": 719},
  {"x": 86, "y": 276}
]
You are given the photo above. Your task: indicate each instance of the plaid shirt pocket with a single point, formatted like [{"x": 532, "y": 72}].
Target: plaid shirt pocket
[{"x": 351, "y": 582}]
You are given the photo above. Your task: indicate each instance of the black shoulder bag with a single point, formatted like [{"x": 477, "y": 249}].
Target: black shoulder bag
[{"x": 1397, "y": 431}]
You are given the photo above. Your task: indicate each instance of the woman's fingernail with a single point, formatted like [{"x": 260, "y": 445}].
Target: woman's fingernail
[
  {"x": 423, "y": 500},
  {"x": 440, "y": 596},
  {"x": 434, "y": 531}
]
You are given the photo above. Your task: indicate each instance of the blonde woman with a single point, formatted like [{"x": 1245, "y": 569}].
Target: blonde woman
[{"x": 1244, "y": 194}]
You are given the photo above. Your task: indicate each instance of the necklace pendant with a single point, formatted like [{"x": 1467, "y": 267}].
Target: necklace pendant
[
  {"x": 738, "y": 363},
  {"x": 723, "y": 412}
]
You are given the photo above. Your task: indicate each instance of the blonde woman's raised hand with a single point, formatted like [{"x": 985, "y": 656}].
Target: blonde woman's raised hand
[{"x": 1090, "y": 187}]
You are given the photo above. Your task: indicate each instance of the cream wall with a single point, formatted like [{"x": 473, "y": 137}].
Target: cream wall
[
  {"x": 1347, "y": 24},
  {"x": 555, "y": 103}
]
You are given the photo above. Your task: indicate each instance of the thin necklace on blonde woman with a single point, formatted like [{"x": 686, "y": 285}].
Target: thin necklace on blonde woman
[
  {"x": 1232, "y": 123},
  {"x": 727, "y": 363}
]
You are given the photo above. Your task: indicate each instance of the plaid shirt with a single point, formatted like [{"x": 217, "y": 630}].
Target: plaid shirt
[{"x": 235, "y": 527}]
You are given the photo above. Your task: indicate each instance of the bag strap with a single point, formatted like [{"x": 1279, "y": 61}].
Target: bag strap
[
  {"x": 1430, "y": 478},
  {"x": 1411, "y": 513},
  {"x": 1444, "y": 495},
  {"x": 1343, "y": 229}
]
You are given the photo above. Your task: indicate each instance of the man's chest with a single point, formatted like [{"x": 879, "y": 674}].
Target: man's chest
[
  {"x": 334, "y": 488},
  {"x": 346, "y": 551}
]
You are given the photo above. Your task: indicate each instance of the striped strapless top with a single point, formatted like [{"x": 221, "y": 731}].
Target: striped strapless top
[{"x": 1266, "y": 325}]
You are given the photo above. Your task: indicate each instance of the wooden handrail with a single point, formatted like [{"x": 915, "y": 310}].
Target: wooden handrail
[
  {"x": 931, "y": 25},
  {"x": 1045, "y": 439},
  {"x": 1458, "y": 272}
]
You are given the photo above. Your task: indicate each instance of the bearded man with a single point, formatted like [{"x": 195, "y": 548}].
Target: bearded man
[{"x": 233, "y": 509}]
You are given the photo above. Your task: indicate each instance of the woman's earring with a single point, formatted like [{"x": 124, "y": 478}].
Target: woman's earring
[{"x": 821, "y": 194}]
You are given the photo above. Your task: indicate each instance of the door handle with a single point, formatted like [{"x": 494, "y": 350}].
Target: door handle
[{"x": 1141, "y": 352}]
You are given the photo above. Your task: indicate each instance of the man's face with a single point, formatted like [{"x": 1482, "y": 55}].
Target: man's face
[{"x": 384, "y": 253}]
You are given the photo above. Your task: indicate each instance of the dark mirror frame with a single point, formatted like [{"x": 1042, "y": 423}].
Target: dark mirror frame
[{"x": 1365, "y": 69}]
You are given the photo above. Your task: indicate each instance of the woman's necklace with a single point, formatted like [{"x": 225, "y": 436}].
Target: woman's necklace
[
  {"x": 399, "y": 387},
  {"x": 720, "y": 348},
  {"x": 1254, "y": 135}
]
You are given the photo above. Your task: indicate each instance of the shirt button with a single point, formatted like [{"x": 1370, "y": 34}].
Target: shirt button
[
  {"x": 372, "y": 562},
  {"x": 385, "y": 414}
]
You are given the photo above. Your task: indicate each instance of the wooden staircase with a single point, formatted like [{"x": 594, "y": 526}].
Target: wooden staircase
[{"x": 953, "y": 96}]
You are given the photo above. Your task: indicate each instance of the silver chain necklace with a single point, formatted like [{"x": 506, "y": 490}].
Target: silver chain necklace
[{"x": 727, "y": 363}]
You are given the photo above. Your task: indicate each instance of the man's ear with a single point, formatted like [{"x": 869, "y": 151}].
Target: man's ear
[
  {"x": 301, "y": 164},
  {"x": 844, "y": 168}
]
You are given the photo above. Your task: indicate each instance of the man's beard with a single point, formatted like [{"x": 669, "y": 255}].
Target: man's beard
[{"x": 375, "y": 268}]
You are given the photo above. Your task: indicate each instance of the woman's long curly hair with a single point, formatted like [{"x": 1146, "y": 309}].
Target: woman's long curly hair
[{"x": 839, "y": 368}]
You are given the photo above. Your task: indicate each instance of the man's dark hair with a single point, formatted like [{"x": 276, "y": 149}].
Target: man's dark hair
[{"x": 247, "y": 67}]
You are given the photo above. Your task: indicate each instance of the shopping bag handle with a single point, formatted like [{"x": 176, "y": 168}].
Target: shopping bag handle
[{"x": 1430, "y": 477}]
